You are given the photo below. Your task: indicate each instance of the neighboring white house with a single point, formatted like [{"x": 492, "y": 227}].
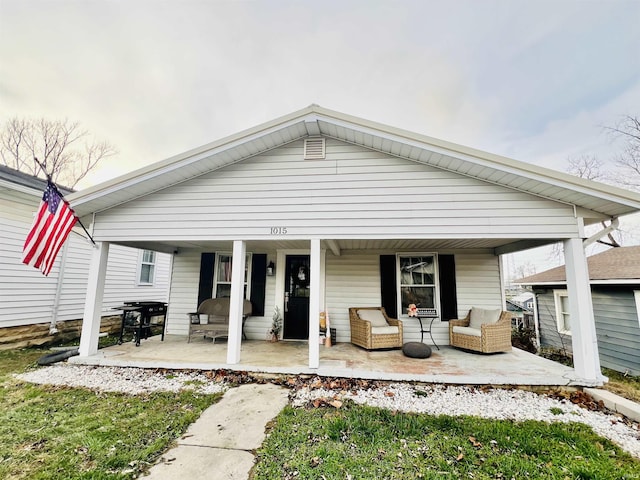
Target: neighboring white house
[
  {"x": 348, "y": 213},
  {"x": 29, "y": 298}
]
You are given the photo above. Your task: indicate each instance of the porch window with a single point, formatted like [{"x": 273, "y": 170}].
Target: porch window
[
  {"x": 417, "y": 281},
  {"x": 222, "y": 276},
  {"x": 147, "y": 267},
  {"x": 563, "y": 320}
]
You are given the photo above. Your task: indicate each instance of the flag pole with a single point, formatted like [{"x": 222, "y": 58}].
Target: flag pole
[{"x": 49, "y": 179}]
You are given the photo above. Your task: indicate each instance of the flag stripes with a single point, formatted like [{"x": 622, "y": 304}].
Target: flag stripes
[{"x": 52, "y": 224}]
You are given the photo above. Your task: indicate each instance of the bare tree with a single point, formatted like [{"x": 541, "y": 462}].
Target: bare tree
[
  {"x": 628, "y": 161},
  {"x": 586, "y": 166},
  {"x": 65, "y": 150},
  {"x": 525, "y": 270}
]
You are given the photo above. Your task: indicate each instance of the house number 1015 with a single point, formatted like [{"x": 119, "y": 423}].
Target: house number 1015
[{"x": 278, "y": 230}]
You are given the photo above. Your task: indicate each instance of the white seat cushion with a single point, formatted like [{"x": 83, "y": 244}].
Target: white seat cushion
[
  {"x": 474, "y": 332},
  {"x": 388, "y": 330},
  {"x": 374, "y": 316},
  {"x": 481, "y": 316}
]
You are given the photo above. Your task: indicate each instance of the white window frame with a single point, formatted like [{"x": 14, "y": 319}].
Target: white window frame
[
  {"x": 217, "y": 281},
  {"x": 436, "y": 279},
  {"x": 560, "y": 323},
  {"x": 152, "y": 263},
  {"x": 636, "y": 294}
]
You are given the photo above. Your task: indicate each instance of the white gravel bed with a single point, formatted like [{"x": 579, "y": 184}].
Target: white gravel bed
[
  {"x": 497, "y": 404},
  {"x": 134, "y": 381}
]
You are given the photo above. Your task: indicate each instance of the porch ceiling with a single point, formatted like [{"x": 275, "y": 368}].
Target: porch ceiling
[{"x": 499, "y": 245}]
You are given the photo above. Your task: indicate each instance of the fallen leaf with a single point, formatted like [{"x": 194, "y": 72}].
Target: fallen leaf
[{"x": 474, "y": 442}]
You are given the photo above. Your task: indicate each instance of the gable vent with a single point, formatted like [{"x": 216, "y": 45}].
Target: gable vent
[{"x": 314, "y": 148}]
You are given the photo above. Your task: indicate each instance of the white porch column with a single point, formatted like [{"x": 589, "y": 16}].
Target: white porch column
[
  {"x": 93, "y": 302},
  {"x": 314, "y": 305},
  {"x": 586, "y": 361},
  {"x": 236, "y": 302}
]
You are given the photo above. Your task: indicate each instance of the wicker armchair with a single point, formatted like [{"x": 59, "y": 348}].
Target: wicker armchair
[
  {"x": 364, "y": 334},
  {"x": 494, "y": 337}
]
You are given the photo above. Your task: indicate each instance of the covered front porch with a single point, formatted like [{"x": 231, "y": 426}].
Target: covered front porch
[
  {"x": 447, "y": 365},
  {"x": 320, "y": 212}
]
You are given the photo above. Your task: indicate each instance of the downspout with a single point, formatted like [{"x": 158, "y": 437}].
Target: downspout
[
  {"x": 56, "y": 301},
  {"x": 605, "y": 231},
  {"x": 536, "y": 321}
]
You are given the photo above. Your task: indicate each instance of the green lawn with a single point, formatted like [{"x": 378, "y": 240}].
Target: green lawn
[
  {"x": 73, "y": 433},
  {"x": 360, "y": 442}
]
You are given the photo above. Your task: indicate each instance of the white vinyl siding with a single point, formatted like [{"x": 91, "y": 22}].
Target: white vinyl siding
[
  {"x": 353, "y": 193},
  {"x": 477, "y": 281},
  {"x": 353, "y": 280},
  {"x": 184, "y": 297},
  {"x": 28, "y": 297},
  {"x": 563, "y": 320}
]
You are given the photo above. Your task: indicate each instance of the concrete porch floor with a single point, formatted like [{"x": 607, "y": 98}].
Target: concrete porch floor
[{"x": 447, "y": 365}]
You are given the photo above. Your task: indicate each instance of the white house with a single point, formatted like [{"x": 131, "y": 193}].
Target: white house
[
  {"x": 27, "y": 298},
  {"x": 349, "y": 213}
]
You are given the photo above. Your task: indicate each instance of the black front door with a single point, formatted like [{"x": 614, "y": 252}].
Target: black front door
[{"x": 296, "y": 297}]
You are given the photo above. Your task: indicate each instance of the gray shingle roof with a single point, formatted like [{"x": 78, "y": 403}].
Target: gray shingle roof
[{"x": 621, "y": 263}]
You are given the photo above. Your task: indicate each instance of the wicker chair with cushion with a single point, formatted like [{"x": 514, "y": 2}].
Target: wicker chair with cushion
[
  {"x": 486, "y": 331},
  {"x": 372, "y": 328}
]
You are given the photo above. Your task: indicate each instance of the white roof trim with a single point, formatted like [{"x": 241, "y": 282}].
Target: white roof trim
[
  {"x": 296, "y": 125},
  {"x": 612, "y": 281},
  {"x": 21, "y": 188}
]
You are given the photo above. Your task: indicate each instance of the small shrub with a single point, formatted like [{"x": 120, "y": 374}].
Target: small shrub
[
  {"x": 523, "y": 338},
  {"x": 556, "y": 355}
]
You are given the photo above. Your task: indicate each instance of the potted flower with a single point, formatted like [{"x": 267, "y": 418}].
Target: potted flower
[
  {"x": 412, "y": 310},
  {"x": 276, "y": 325}
]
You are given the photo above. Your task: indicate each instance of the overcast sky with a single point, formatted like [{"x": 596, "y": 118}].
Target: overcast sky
[{"x": 534, "y": 80}]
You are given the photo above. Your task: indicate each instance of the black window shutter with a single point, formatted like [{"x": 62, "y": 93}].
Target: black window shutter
[
  {"x": 258, "y": 283},
  {"x": 448, "y": 296},
  {"x": 388, "y": 292},
  {"x": 205, "y": 286}
]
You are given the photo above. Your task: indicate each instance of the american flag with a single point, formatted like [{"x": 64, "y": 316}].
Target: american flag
[{"x": 51, "y": 226}]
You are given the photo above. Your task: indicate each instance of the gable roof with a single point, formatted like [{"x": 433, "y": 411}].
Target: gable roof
[
  {"x": 616, "y": 264},
  {"x": 603, "y": 200}
]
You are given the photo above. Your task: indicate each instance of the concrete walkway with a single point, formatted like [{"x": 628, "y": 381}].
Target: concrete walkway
[{"x": 220, "y": 444}]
